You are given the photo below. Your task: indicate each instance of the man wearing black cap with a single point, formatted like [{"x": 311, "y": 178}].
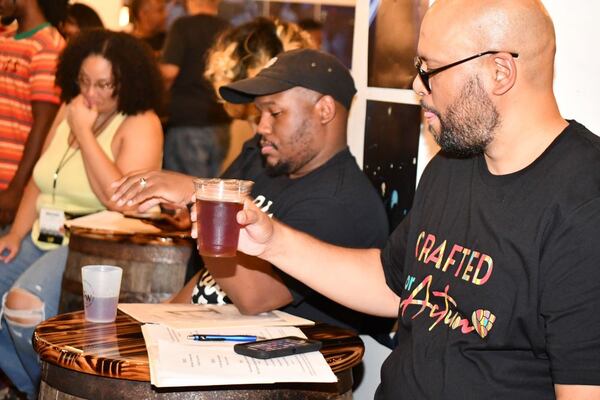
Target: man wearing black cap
[
  {"x": 304, "y": 176},
  {"x": 309, "y": 69}
]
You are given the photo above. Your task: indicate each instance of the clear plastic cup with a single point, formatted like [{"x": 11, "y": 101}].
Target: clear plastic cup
[{"x": 101, "y": 287}]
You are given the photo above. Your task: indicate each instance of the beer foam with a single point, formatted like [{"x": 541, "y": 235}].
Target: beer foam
[{"x": 229, "y": 190}]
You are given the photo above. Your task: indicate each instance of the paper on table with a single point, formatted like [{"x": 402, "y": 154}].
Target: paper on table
[
  {"x": 206, "y": 315},
  {"x": 176, "y": 361},
  {"x": 113, "y": 222},
  {"x": 155, "y": 334}
]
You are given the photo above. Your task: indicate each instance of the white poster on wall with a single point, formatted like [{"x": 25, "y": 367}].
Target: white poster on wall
[{"x": 577, "y": 83}]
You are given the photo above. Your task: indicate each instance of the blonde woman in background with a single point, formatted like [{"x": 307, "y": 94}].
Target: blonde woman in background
[{"x": 241, "y": 53}]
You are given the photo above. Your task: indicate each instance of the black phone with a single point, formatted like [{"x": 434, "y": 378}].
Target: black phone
[{"x": 279, "y": 347}]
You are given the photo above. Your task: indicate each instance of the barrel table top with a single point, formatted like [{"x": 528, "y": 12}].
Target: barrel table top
[
  {"x": 118, "y": 350},
  {"x": 167, "y": 236}
]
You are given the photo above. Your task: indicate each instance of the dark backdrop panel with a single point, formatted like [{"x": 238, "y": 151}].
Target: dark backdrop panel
[{"x": 390, "y": 154}]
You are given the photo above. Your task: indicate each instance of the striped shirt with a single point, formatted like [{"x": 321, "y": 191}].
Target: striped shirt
[{"x": 27, "y": 70}]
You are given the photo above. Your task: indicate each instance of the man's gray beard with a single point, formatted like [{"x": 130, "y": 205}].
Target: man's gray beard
[{"x": 468, "y": 126}]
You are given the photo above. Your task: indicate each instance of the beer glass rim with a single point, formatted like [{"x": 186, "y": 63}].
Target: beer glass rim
[
  {"x": 215, "y": 185},
  {"x": 222, "y": 181},
  {"x": 102, "y": 267}
]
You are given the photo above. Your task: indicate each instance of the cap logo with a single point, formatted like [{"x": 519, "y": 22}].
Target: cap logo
[{"x": 270, "y": 62}]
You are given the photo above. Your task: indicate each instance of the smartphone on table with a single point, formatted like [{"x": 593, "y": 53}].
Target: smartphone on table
[{"x": 279, "y": 347}]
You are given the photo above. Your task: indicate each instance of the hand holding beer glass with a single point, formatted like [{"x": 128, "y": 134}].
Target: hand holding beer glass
[{"x": 217, "y": 204}]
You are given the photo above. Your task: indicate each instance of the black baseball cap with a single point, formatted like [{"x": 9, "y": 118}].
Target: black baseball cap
[{"x": 308, "y": 68}]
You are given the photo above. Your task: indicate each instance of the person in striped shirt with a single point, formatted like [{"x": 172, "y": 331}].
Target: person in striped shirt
[{"x": 29, "y": 98}]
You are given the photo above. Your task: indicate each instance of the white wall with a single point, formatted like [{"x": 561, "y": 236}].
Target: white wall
[{"x": 577, "y": 80}]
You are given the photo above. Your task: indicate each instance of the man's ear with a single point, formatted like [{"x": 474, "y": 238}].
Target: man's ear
[
  {"x": 505, "y": 73},
  {"x": 326, "y": 109}
]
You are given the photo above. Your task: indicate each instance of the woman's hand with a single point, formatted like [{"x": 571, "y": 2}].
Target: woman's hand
[
  {"x": 10, "y": 245},
  {"x": 150, "y": 188},
  {"x": 81, "y": 117}
]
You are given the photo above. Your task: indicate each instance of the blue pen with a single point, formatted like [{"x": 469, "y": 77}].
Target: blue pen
[{"x": 223, "y": 338}]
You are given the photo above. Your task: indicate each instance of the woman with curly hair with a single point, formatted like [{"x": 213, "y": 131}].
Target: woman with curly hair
[{"x": 108, "y": 129}]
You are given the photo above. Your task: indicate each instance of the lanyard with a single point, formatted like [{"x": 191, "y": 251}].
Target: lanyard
[
  {"x": 61, "y": 164},
  {"x": 64, "y": 159}
]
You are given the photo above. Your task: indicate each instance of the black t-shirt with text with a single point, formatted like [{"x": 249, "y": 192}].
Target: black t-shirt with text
[{"x": 499, "y": 278}]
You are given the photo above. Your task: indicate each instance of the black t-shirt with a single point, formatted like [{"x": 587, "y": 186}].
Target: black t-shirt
[
  {"x": 335, "y": 203},
  {"x": 499, "y": 278},
  {"x": 156, "y": 41},
  {"x": 193, "y": 100}
]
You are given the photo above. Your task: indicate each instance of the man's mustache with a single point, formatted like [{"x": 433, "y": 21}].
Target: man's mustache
[
  {"x": 430, "y": 109},
  {"x": 264, "y": 142}
]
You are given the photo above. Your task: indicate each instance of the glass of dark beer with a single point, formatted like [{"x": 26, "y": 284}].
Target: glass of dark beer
[{"x": 218, "y": 202}]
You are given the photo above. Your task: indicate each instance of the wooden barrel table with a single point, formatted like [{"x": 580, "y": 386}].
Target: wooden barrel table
[
  {"x": 82, "y": 360},
  {"x": 154, "y": 265}
]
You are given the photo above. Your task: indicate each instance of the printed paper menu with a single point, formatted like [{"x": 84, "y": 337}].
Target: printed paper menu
[{"x": 177, "y": 361}]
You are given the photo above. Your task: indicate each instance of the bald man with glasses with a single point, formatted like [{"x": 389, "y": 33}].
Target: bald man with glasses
[{"x": 494, "y": 274}]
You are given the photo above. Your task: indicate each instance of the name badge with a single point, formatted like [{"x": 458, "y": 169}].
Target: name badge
[{"x": 52, "y": 226}]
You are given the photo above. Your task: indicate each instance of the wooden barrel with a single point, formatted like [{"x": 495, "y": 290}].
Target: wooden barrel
[
  {"x": 154, "y": 266},
  {"x": 63, "y": 384},
  {"x": 82, "y": 360}
]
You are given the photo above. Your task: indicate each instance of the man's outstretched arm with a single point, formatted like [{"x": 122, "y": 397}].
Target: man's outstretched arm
[
  {"x": 252, "y": 284},
  {"x": 336, "y": 272}
]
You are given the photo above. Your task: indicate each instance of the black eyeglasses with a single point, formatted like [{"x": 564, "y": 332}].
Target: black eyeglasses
[
  {"x": 101, "y": 85},
  {"x": 425, "y": 75}
]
